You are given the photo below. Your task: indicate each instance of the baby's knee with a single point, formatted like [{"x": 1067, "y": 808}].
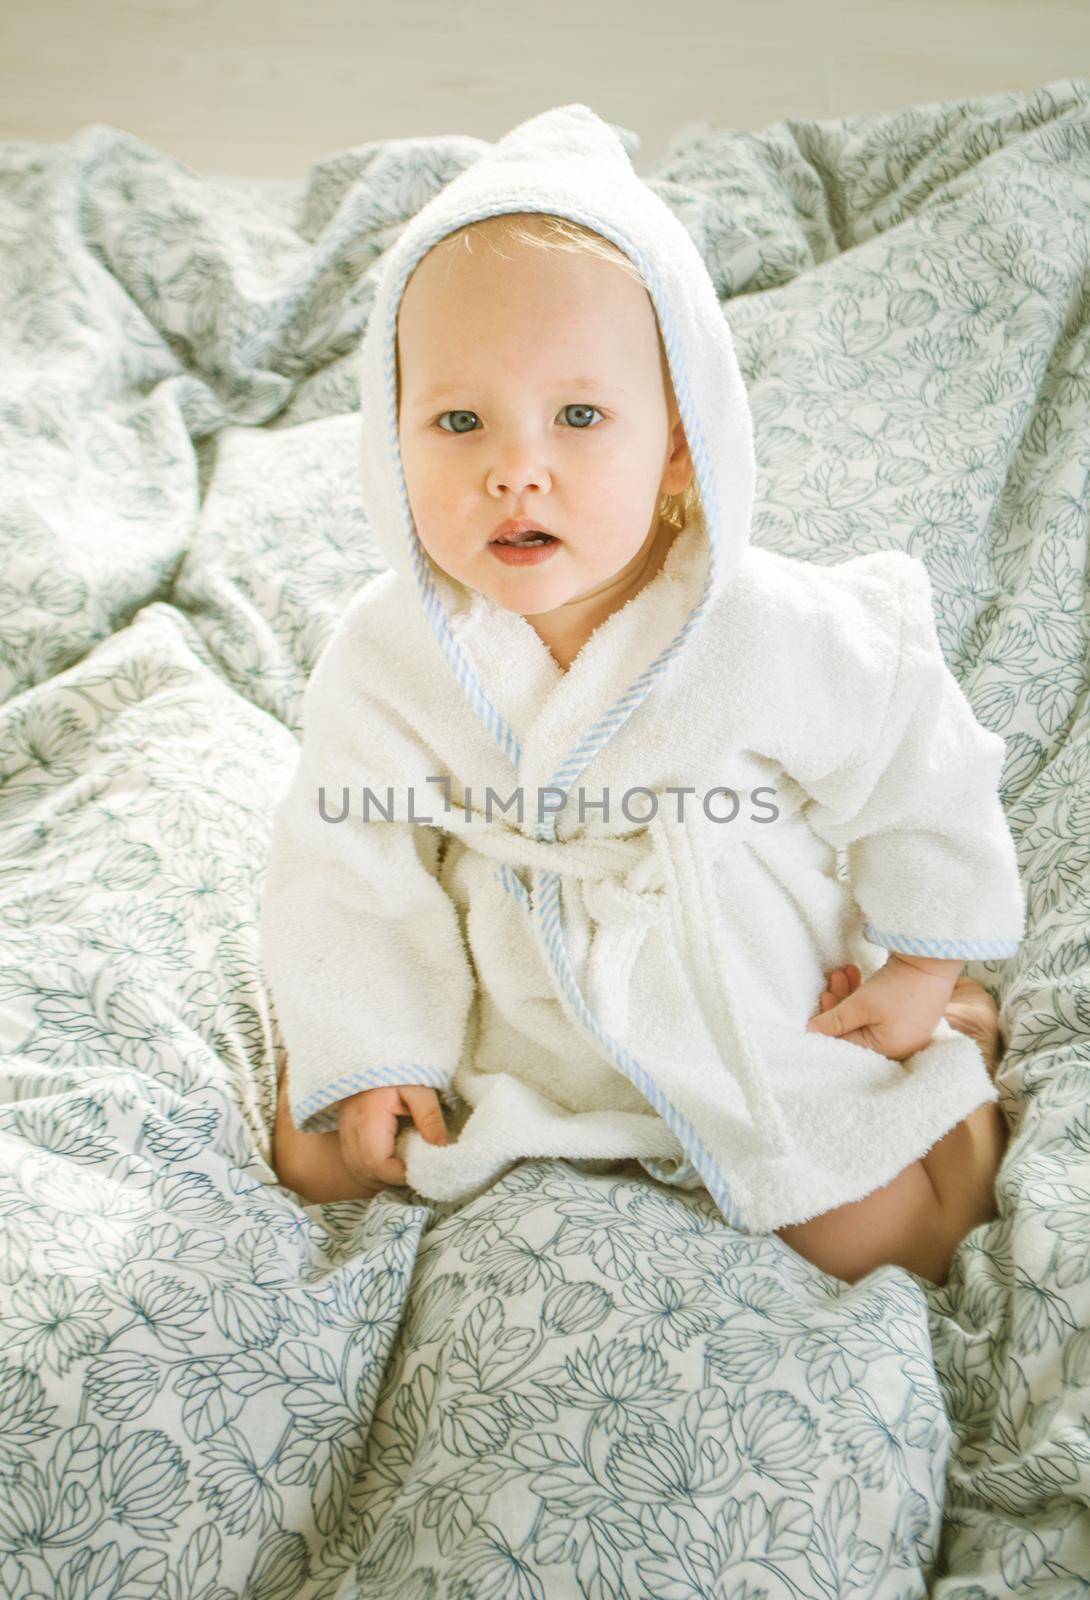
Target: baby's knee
[{"x": 902, "y": 1225}]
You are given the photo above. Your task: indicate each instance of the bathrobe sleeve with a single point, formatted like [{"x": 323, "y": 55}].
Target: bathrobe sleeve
[
  {"x": 361, "y": 944},
  {"x": 931, "y": 860}
]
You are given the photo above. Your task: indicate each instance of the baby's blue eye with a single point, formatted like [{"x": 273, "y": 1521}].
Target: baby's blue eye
[
  {"x": 582, "y": 408},
  {"x": 443, "y": 414},
  {"x": 580, "y": 427}
]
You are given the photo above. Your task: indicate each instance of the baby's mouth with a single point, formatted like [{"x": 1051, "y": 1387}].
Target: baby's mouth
[{"x": 526, "y": 538}]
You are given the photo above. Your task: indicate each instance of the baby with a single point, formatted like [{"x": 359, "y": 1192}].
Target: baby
[{"x": 550, "y": 478}]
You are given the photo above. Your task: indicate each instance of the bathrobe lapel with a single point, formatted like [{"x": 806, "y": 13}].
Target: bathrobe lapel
[{"x": 561, "y": 719}]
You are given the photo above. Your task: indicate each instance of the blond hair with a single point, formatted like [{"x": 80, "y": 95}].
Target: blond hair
[{"x": 542, "y": 230}]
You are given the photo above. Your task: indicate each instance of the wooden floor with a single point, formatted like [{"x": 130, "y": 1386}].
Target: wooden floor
[{"x": 264, "y": 87}]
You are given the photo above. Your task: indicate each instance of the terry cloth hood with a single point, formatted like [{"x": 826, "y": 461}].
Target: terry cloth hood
[{"x": 569, "y": 162}]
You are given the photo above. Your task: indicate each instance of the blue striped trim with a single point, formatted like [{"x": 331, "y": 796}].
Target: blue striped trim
[
  {"x": 685, "y": 1176},
  {"x": 511, "y": 882},
  {"x": 321, "y": 1107},
  {"x": 549, "y": 923},
  {"x": 501, "y": 732},
  {"x": 686, "y": 1173},
  {"x": 607, "y": 726},
  {"x": 945, "y": 949}
]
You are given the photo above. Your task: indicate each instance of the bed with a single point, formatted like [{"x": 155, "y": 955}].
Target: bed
[{"x": 581, "y": 1383}]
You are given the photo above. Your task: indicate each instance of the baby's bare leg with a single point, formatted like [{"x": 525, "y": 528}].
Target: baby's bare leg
[
  {"x": 900, "y": 1225},
  {"x": 311, "y": 1163},
  {"x": 963, "y": 1165},
  {"x": 918, "y": 1220}
]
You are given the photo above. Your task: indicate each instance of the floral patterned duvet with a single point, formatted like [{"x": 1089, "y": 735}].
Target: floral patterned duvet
[{"x": 581, "y": 1383}]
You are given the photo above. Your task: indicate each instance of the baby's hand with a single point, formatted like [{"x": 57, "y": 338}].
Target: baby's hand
[
  {"x": 367, "y": 1129},
  {"x": 895, "y": 1011}
]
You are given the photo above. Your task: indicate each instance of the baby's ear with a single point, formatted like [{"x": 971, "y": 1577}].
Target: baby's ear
[{"x": 681, "y": 460}]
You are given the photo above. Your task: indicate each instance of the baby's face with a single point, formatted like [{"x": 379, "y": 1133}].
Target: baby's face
[{"x": 534, "y": 386}]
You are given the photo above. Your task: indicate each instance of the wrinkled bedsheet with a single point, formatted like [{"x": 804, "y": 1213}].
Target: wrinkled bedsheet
[{"x": 580, "y": 1383}]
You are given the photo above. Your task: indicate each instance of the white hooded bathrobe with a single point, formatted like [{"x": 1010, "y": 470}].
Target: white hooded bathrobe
[{"x": 596, "y": 908}]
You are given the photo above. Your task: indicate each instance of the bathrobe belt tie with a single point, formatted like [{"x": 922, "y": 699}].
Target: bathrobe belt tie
[{"x": 613, "y": 891}]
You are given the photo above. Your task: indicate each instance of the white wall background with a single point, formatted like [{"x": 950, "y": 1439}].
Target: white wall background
[{"x": 263, "y": 87}]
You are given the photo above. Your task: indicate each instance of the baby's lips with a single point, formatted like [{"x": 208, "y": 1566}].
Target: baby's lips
[{"x": 516, "y": 527}]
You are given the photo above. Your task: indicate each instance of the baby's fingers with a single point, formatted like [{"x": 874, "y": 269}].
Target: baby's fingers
[
  {"x": 844, "y": 1017},
  {"x": 426, "y": 1112},
  {"x": 367, "y": 1165},
  {"x": 368, "y": 1128},
  {"x": 843, "y": 981}
]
